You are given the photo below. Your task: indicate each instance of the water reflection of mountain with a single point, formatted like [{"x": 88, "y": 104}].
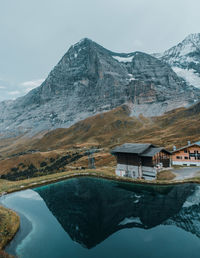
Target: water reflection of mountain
[
  {"x": 188, "y": 217},
  {"x": 91, "y": 209}
]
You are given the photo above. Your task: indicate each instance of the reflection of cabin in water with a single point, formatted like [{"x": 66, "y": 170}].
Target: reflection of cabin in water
[
  {"x": 138, "y": 160},
  {"x": 188, "y": 155}
]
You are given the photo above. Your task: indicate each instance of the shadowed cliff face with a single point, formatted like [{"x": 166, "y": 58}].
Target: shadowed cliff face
[{"x": 90, "y": 210}]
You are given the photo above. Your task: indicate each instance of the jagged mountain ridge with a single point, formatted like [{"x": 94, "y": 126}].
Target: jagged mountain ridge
[
  {"x": 90, "y": 79},
  {"x": 184, "y": 59}
]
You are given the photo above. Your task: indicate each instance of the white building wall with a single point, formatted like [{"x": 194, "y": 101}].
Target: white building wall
[
  {"x": 120, "y": 170},
  {"x": 127, "y": 170},
  {"x": 148, "y": 173},
  {"x": 187, "y": 163}
]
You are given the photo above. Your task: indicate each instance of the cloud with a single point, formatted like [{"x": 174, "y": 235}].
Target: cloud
[
  {"x": 29, "y": 194},
  {"x": 9, "y": 90},
  {"x": 32, "y": 84},
  {"x": 16, "y": 92},
  {"x": 138, "y": 43},
  {"x": 28, "y": 89},
  {"x": 29, "y": 85}
]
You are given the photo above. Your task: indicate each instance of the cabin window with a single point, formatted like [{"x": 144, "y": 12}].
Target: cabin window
[
  {"x": 185, "y": 151},
  {"x": 186, "y": 157},
  {"x": 178, "y": 157}
]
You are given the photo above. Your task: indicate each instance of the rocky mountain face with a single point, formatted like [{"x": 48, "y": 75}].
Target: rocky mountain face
[
  {"x": 188, "y": 217},
  {"x": 90, "y": 79},
  {"x": 184, "y": 59}
]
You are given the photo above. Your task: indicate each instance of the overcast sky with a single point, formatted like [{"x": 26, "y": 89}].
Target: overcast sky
[{"x": 35, "y": 34}]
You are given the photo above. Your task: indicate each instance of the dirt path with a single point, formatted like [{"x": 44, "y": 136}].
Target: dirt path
[{"x": 186, "y": 172}]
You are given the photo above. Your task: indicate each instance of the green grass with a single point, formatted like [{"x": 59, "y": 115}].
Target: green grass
[
  {"x": 166, "y": 175},
  {"x": 180, "y": 166},
  {"x": 12, "y": 186},
  {"x": 9, "y": 224}
]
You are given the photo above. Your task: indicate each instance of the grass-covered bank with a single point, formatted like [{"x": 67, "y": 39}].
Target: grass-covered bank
[
  {"x": 165, "y": 175},
  {"x": 9, "y": 225},
  {"x": 7, "y": 186},
  {"x": 165, "y": 178}
]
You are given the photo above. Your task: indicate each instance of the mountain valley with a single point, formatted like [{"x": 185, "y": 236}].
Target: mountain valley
[{"x": 95, "y": 99}]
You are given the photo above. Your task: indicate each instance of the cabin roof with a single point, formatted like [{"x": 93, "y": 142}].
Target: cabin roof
[
  {"x": 187, "y": 146},
  {"x": 136, "y": 148},
  {"x": 143, "y": 149},
  {"x": 151, "y": 152}
]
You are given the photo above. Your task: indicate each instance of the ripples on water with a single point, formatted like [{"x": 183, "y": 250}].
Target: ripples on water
[{"x": 87, "y": 217}]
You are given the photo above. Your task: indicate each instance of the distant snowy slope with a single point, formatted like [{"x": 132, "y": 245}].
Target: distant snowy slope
[
  {"x": 123, "y": 59},
  {"x": 189, "y": 75},
  {"x": 184, "y": 59}
]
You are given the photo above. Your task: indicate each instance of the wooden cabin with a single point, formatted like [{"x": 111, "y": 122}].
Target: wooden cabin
[
  {"x": 188, "y": 155},
  {"x": 140, "y": 160}
]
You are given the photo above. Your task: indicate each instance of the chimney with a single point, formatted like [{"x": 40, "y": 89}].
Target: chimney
[
  {"x": 174, "y": 148},
  {"x": 189, "y": 143}
]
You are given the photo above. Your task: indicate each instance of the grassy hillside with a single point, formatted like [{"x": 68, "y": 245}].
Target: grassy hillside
[
  {"x": 62, "y": 148},
  {"x": 116, "y": 127}
]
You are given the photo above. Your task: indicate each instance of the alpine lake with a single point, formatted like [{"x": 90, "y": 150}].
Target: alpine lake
[{"x": 97, "y": 218}]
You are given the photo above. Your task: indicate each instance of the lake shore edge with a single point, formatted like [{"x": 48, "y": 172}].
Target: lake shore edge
[
  {"x": 41, "y": 182},
  {"x": 30, "y": 185},
  {"x": 10, "y": 224}
]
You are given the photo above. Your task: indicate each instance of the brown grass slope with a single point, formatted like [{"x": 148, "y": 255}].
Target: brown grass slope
[
  {"x": 116, "y": 127},
  {"x": 9, "y": 225},
  {"x": 105, "y": 131}
]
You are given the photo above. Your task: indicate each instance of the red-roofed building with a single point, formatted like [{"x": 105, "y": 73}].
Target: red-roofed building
[{"x": 188, "y": 155}]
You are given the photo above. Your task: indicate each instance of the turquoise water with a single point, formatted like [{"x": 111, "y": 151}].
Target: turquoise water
[{"x": 96, "y": 218}]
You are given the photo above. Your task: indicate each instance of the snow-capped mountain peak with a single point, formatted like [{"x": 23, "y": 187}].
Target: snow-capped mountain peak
[
  {"x": 90, "y": 79},
  {"x": 189, "y": 45},
  {"x": 184, "y": 59}
]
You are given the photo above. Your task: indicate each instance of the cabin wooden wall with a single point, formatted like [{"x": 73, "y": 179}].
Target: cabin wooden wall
[
  {"x": 147, "y": 161},
  {"x": 161, "y": 157},
  {"x": 135, "y": 160},
  {"x": 187, "y": 154},
  {"x": 128, "y": 159}
]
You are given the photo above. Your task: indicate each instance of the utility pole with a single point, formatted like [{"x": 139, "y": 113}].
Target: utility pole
[{"x": 91, "y": 160}]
